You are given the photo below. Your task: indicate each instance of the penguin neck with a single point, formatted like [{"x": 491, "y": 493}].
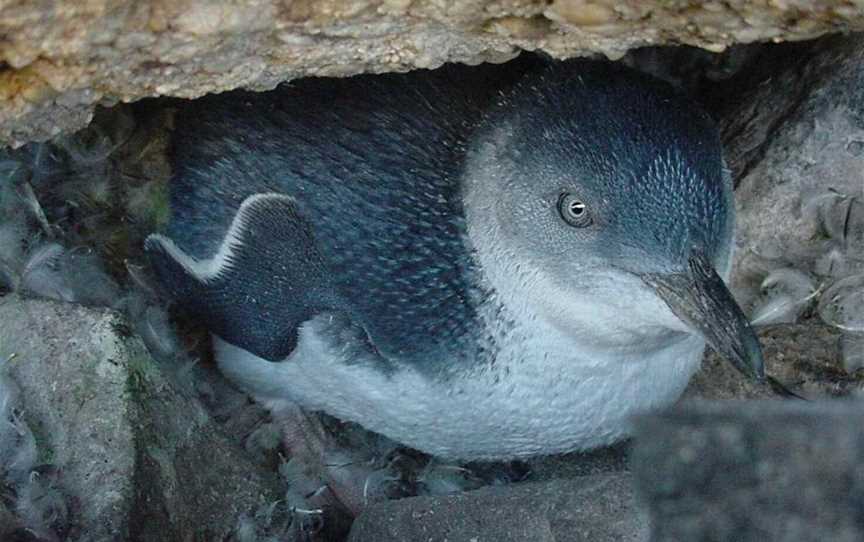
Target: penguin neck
[{"x": 526, "y": 330}]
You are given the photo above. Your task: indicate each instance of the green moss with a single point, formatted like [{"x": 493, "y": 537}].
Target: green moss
[
  {"x": 43, "y": 446},
  {"x": 149, "y": 204},
  {"x": 140, "y": 368},
  {"x": 161, "y": 205}
]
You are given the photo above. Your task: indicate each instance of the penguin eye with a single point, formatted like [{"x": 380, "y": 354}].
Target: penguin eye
[{"x": 574, "y": 211}]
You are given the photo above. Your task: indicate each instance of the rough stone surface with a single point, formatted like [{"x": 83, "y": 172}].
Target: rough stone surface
[
  {"x": 59, "y": 59},
  {"x": 8, "y": 523},
  {"x": 754, "y": 471},
  {"x": 593, "y": 508},
  {"x": 138, "y": 459},
  {"x": 793, "y": 134},
  {"x": 805, "y": 357},
  {"x": 555, "y": 467}
]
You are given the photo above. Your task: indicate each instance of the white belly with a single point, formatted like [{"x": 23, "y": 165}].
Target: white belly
[{"x": 536, "y": 399}]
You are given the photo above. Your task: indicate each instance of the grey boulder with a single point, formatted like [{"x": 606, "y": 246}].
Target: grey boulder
[
  {"x": 137, "y": 458},
  {"x": 753, "y": 471},
  {"x": 595, "y": 508}
]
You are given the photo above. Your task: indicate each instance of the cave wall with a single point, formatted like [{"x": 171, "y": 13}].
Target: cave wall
[{"x": 59, "y": 60}]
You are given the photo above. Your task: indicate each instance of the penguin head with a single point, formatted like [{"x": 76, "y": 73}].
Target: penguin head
[{"x": 608, "y": 188}]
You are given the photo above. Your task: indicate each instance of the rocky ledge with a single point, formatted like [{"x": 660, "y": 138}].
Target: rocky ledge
[{"x": 59, "y": 60}]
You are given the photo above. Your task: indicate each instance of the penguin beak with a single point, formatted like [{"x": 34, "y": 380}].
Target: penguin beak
[{"x": 700, "y": 299}]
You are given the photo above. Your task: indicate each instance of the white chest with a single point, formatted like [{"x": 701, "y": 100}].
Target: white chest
[{"x": 539, "y": 397}]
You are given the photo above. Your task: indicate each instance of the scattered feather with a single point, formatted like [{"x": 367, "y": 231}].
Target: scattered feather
[
  {"x": 90, "y": 192},
  {"x": 833, "y": 263},
  {"x": 442, "y": 479},
  {"x": 40, "y": 275},
  {"x": 41, "y": 506},
  {"x": 43, "y": 161},
  {"x": 852, "y": 350},
  {"x": 261, "y": 528},
  {"x": 13, "y": 236},
  {"x": 379, "y": 485},
  {"x": 299, "y": 477},
  {"x": 303, "y": 492},
  {"x": 9, "y": 430},
  {"x": 23, "y": 459},
  {"x": 841, "y": 217},
  {"x": 140, "y": 281},
  {"x": 786, "y": 293},
  {"x": 154, "y": 327},
  {"x": 842, "y": 305},
  {"x": 39, "y": 503},
  {"x": 816, "y": 208},
  {"x": 263, "y": 440},
  {"x": 36, "y": 209},
  {"x": 99, "y": 140},
  {"x": 12, "y": 171},
  {"x": 74, "y": 276}
]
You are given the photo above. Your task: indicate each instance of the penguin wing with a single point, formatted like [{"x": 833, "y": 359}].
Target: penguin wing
[{"x": 265, "y": 279}]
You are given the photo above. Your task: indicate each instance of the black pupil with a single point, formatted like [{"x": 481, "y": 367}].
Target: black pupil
[{"x": 577, "y": 208}]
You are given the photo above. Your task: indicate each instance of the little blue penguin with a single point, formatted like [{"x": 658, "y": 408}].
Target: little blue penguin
[{"x": 481, "y": 263}]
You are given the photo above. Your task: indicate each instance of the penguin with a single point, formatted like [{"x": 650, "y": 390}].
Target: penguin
[{"x": 482, "y": 263}]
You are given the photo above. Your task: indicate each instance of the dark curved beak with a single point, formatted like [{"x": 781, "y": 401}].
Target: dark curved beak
[{"x": 702, "y": 301}]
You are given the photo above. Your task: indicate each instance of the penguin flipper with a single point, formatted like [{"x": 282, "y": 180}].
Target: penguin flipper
[{"x": 266, "y": 278}]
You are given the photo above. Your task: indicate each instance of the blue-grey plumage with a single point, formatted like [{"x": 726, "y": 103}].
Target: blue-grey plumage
[
  {"x": 373, "y": 165},
  {"x": 454, "y": 233}
]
